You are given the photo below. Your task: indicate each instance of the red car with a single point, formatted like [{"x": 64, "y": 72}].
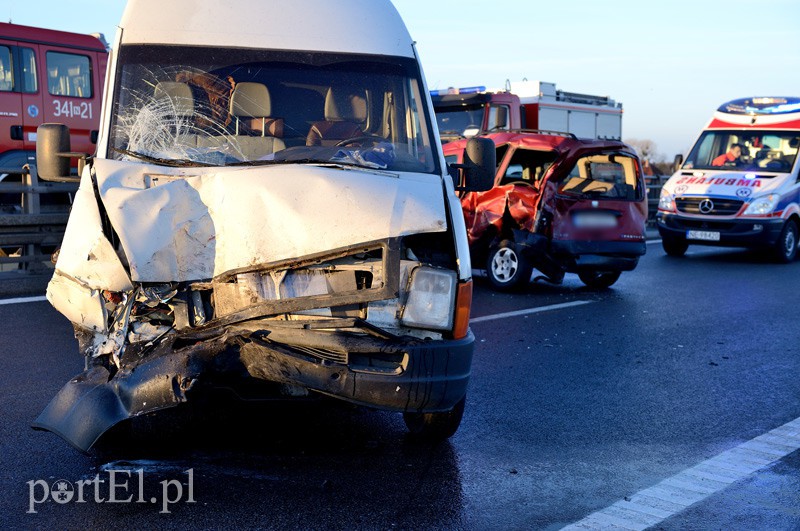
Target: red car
[{"x": 559, "y": 204}]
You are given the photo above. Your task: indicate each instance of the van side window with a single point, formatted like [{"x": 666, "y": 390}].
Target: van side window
[
  {"x": 28, "y": 62},
  {"x": 68, "y": 75},
  {"x": 6, "y": 71}
]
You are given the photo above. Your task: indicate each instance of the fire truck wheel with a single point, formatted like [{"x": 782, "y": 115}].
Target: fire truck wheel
[
  {"x": 674, "y": 246},
  {"x": 436, "y": 426},
  {"x": 506, "y": 267},
  {"x": 599, "y": 279},
  {"x": 786, "y": 246}
]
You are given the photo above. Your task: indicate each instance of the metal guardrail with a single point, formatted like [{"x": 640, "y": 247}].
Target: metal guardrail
[
  {"x": 653, "y": 184},
  {"x": 33, "y": 216}
]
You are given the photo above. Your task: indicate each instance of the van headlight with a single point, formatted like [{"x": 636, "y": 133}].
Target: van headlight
[
  {"x": 762, "y": 205},
  {"x": 666, "y": 202},
  {"x": 431, "y": 298}
]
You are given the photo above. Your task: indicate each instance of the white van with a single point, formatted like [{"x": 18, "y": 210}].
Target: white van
[
  {"x": 739, "y": 183},
  {"x": 268, "y": 202}
]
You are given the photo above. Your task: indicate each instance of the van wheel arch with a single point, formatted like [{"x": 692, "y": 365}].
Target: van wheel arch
[{"x": 785, "y": 249}]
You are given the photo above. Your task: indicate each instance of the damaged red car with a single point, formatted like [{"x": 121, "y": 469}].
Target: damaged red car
[{"x": 559, "y": 204}]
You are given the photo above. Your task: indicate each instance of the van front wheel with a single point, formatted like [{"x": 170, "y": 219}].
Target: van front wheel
[
  {"x": 786, "y": 246},
  {"x": 674, "y": 246},
  {"x": 599, "y": 279},
  {"x": 436, "y": 426}
]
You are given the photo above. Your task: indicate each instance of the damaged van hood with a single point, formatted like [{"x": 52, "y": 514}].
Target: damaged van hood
[{"x": 186, "y": 224}]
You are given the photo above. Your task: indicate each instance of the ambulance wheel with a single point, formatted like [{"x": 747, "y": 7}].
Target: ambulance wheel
[
  {"x": 674, "y": 246},
  {"x": 506, "y": 267},
  {"x": 786, "y": 246},
  {"x": 436, "y": 426},
  {"x": 599, "y": 279}
]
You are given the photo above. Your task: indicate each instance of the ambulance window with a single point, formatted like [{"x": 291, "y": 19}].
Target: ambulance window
[
  {"x": 29, "y": 76},
  {"x": 68, "y": 75},
  {"x": 6, "y": 72}
]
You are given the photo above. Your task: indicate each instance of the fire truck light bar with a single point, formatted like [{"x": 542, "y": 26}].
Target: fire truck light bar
[{"x": 463, "y": 90}]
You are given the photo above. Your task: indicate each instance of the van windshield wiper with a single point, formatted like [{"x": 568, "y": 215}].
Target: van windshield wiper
[{"x": 158, "y": 160}]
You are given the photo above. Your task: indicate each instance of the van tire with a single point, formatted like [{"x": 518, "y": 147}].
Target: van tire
[
  {"x": 506, "y": 266},
  {"x": 599, "y": 279},
  {"x": 436, "y": 426},
  {"x": 786, "y": 246},
  {"x": 674, "y": 246}
]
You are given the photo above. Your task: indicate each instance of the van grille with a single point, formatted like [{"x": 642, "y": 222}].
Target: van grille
[
  {"x": 323, "y": 354},
  {"x": 701, "y": 205}
]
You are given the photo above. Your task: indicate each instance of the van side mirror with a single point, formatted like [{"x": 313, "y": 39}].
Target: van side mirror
[
  {"x": 676, "y": 165},
  {"x": 480, "y": 164},
  {"x": 53, "y": 154}
]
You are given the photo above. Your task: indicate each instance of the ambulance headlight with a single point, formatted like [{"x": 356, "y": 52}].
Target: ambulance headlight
[
  {"x": 431, "y": 299},
  {"x": 666, "y": 201},
  {"x": 762, "y": 205}
]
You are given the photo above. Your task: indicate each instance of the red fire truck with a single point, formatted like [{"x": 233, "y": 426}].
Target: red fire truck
[
  {"x": 48, "y": 76},
  {"x": 536, "y": 105}
]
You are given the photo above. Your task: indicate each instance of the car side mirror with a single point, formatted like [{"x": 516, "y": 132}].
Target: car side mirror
[
  {"x": 53, "y": 154},
  {"x": 676, "y": 165},
  {"x": 480, "y": 162}
]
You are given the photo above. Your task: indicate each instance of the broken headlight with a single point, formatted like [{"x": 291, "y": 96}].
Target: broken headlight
[{"x": 431, "y": 298}]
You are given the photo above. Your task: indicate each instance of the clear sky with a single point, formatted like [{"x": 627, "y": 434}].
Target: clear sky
[{"x": 670, "y": 62}]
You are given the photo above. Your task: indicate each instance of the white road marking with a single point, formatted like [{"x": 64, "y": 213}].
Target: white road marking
[
  {"x": 655, "y": 504},
  {"x": 528, "y": 311},
  {"x": 22, "y": 300},
  {"x": 652, "y": 242}
]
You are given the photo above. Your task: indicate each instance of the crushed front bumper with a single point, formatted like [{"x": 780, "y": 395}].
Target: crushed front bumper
[{"x": 390, "y": 373}]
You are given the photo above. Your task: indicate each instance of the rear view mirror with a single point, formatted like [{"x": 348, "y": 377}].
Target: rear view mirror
[
  {"x": 502, "y": 117},
  {"x": 53, "y": 154},
  {"x": 676, "y": 165},
  {"x": 480, "y": 163}
]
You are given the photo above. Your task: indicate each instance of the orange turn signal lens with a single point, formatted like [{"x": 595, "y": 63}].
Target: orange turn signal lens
[{"x": 463, "y": 305}]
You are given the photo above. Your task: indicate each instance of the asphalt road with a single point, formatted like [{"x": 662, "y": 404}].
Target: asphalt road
[{"x": 570, "y": 410}]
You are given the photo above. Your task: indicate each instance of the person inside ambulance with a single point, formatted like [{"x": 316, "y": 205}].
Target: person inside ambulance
[{"x": 731, "y": 158}]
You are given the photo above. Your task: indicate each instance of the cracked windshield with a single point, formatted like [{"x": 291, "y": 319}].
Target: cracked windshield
[{"x": 192, "y": 106}]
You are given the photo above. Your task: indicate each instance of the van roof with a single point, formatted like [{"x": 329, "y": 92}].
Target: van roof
[
  {"x": 355, "y": 26},
  {"x": 17, "y": 32}
]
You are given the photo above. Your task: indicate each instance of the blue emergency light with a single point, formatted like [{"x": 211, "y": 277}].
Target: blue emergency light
[
  {"x": 462, "y": 90},
  {"x": 762, "y": 105}
]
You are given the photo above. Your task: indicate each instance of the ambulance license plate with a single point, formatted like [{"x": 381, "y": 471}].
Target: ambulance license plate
[{"x": 706, "y": 235}]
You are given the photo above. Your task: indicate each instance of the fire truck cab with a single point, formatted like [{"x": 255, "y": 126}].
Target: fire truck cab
[{"x": 48, "y": 76}]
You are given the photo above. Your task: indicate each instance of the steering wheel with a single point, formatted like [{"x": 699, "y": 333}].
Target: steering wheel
[{"x": 360, "y": 140}]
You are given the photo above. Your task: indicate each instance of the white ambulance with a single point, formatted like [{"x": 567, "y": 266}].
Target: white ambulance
[{"x": 739, "y": 185}]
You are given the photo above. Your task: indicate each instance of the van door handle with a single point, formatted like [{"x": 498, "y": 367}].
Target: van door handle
[{"x": 16, "y": 132}]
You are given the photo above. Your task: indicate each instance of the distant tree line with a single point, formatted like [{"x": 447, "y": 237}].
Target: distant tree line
[{"x": 653, "y": 162}]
